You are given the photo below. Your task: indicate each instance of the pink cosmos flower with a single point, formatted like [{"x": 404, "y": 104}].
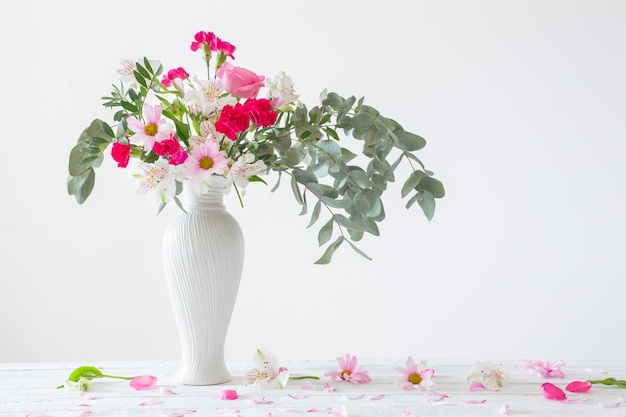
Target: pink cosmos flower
[
  {"x": 205, "y": 160},
  {"x": 415, "y": 375},
  {"x": 349, "y": 371},
  {"x": 155, "y": 128},
  {"x": 143, "y": 382},
  {"x": 545, "y": 369}
]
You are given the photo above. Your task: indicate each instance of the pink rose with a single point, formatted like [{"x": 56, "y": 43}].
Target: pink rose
[{"x": 239, "y": 81}]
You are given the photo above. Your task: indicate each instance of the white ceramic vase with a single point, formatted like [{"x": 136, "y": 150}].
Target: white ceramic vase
[{"x": 203, "y": 252}]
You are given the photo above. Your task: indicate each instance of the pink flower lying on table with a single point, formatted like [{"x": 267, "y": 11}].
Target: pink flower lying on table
[
  {"x": 415, "y": 375},
  {"x": 545, "y": 369},
  {"x": 143, "y": 382},
  {"x": 349, "y": 371}
]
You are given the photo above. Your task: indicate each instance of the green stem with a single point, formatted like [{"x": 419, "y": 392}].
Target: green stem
[
  {"x": 298, "y": 378},
  {"x": 610, "y": 381},
  {"x": 128, "y": 378}
]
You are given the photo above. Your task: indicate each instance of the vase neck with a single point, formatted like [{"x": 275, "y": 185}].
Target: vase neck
[{"x": 212, "y": 199}]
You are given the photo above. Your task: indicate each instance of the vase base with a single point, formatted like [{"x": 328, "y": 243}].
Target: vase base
[{"x": 204, "y": 378}]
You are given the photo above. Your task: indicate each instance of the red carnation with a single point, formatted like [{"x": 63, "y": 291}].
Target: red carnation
[{"x": 232, "y": 121}]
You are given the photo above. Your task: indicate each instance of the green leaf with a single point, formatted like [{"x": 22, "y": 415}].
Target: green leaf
[
  {"x": 141, "y": 80},
  {"x": 359, "y": 251},
  {"x": 409, "y": 141},
  {"x": 412, "y": 182},
  {"x": 330, "y": 250},
  {"x": 82, "y": 185},
  {"x": 315, "y": 215},
  {"x": 325, "y": 233},
  {"x": 296, "y": 190},
  {"x": 142, "y": 70},
  {"x": 88, "y": 372},
  {"x": 427, "y": 203},
  {"x": 433, "y": 186},
  {"x": 128, "y": 106}
]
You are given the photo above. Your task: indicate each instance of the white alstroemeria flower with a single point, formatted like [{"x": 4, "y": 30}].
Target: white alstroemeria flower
[
  {"x": 206, "y": 96},
  {"x": 159, "y": 177},
  {"x": 281, "y": 92},
  {"x": 489, "y": 374},
  {"x": 241, "y": 171},
  {"x": 267, "y": 370},
  {"x": 126, "y": 73},
  {"x": 83, "y": 384}
]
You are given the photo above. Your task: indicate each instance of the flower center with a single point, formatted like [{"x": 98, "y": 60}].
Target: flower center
[
  {"x": 206, "y": 162},
  {"x": 345, "y": 374},
  {"x": 415, "y": 378},
  {"x": 151, "y": 129}
]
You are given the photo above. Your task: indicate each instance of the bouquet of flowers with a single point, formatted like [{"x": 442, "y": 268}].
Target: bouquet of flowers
[{"x": 183, "y": 130}]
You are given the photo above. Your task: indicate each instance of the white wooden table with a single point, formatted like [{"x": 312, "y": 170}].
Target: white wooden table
[{"x": 29, "y": 389}]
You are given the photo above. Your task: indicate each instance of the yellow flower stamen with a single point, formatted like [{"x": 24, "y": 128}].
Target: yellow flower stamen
[
  {"x": 415, "y": 378},
  {"x": 151, "y": 129},
  {"x": 206, "y": 162}
]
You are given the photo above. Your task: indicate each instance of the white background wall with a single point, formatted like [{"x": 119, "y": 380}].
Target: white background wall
[{"x": 522, "y": 104}]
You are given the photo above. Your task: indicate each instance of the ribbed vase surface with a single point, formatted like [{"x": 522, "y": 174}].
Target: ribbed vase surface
[{"x": 203, "y": 252}]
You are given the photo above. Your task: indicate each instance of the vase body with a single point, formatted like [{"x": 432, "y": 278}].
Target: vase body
[{"x": 203, "y": 252}]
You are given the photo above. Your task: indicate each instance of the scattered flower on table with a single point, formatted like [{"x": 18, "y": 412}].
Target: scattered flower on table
[
  {"x": 545, "y": 369},
  {"x": 415, "y": 375},
  {"x": 552, "y": 392},
  {"x": 349, "y": 371},
  {"x": 489, "y": 374},
  {"x": 267, "y": 370},
  {"x": 143, "y": 382},
  {"x": 578, "y": 386},
  {"x": 83, "y": 384},
  {"x": 229, "y": 395}
]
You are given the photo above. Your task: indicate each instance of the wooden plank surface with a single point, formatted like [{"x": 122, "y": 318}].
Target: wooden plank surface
[{"x": 29, "y": 389}]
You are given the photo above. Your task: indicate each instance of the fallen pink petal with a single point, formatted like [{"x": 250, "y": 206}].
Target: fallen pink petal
[
  {"x": 309, "y": 386},
  {"x": 475, "y": 385},
  {"x": 354, "y": 397},
  {"x": 408, "y": 414},
  {"x": 573, "y": 401},
  {"x": 552, "y": 392},
  {"x": 84, "y": 413},
  {"x": 87, "y": 396},
  {"x": 578, "y": 386},
  {"x": 610, "y": 405},
  {"x": 143, "y": 382},
  {"x": 229, "y": 395},
  {"x": 319, "y": 410},
  {"x": 262, "y": 400},
  {"x": 377, "y": 397},
  {"x": 296, "y": 397},
  {"x": 435, "y": 396},
  {"x": 80, "y": 404},
  {"x": 341, "y": 412},
  {"x": 329, "y": 388},
  {"x": 166, "y": 391},
  {"x": 504, "y": 410},
  {"x": 474, "y": 401}
]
